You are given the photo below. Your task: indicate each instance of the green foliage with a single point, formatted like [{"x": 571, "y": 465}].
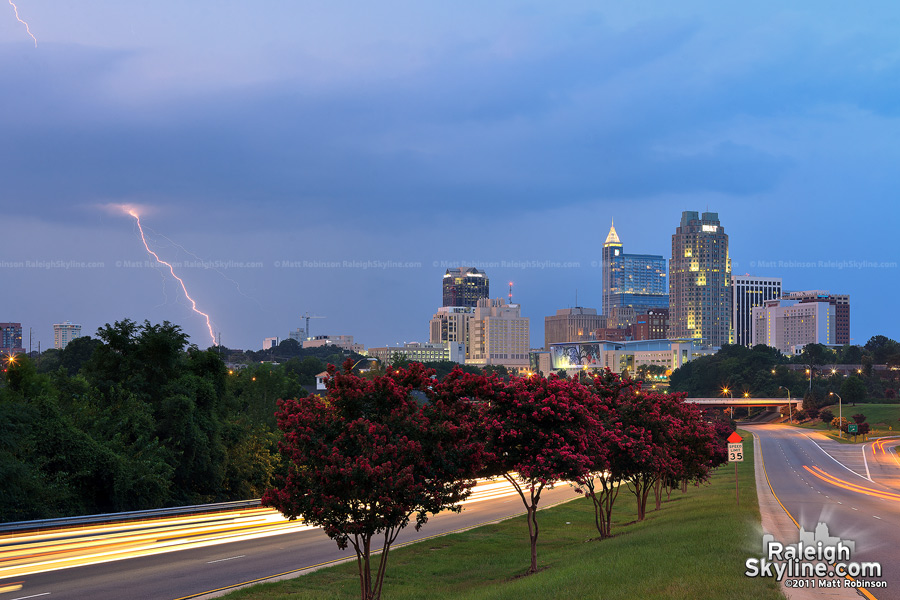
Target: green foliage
[
  {"x": 853, "y": 390},
  {"x": 134, "y": 419},
  {"x": 741, "y": 370}
]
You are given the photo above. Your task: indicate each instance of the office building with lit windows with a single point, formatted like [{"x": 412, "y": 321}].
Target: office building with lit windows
[
  {"x": 700, "y": 296},
  {"x": 749, "y": 293},
  {"x": 11, "y": 338},
  {"x": 465, "y": 286},
  {"x": 63, "y": 333},
  {"x": 788, "y": 325},
  {"x": 841, "y": 303},
  {"x": 572, "y": 325},
  {"x": 450, "y": 324},
  {"x": 498, "y": 335},
  {"x": 630, "y": 281}
]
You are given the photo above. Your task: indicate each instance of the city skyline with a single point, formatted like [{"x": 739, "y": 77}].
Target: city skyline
[{"x": 315, "y": 143}]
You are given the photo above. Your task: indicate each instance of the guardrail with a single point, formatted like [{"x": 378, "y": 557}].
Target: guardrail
[{"x": 17, "y": 526}]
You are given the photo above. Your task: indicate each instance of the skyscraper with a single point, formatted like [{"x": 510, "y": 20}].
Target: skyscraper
[
  {"x": 749, "y": 293},
  {"x": 700, "y": 281},
  {"x": 63, "y": 333},
  {"x": 465, "y": 286},
  {"x": 636, "y": 281}
]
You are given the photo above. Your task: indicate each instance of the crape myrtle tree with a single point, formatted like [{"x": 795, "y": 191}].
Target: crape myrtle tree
[
  {"x": 612, "y": 447},
  {"x": 537, "y": 430},
  {"x": 372, "y": 455}
]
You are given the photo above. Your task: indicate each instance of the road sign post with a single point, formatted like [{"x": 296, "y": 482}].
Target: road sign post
[{"x": 736, "y": 455}]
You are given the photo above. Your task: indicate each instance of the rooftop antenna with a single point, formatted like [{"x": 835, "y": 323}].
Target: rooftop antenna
[
  {"x": 576, "y": 297},
  {"x": 510, "y": 292}
]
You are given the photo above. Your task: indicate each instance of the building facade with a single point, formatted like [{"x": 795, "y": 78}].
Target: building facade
[
  {"x": 344, "y": 342},
  {"x": 416, "y": 352},
  {"x": 498, "y": 335},
  {"x": 572, "y": 325},
  {"x": 465, "y": 286},
  {"x": 11, "y": 338},
  {"x": 636, "y": 281},
  {"x": 700, "y": 281},
  {"x": 620, "y": 357},
  {"x": 749, "y": 293},
  {"x": 841, "y": 303},
  {"x": 788, "y": 325},
  {"x": 653, "y": 325},
  {"x": 63, "y": 333},
  {"x": 450, "y": 324}
]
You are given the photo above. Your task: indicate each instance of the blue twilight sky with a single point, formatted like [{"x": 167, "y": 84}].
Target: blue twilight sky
[{"x": 424, "y": 135}]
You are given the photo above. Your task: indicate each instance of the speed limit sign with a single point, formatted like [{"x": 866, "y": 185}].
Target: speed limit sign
[{"x": 736, "y": 452}]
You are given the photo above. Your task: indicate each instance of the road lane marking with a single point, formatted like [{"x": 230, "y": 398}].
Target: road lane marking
[
  {"x": 34, "y": 596},
  {"x": 209, "y": 562},
  {"x": 833, "y": 458},
  {"x": 865, "y": 462},
  {"x": 861, "y": 590},
  {"x": 877, "y": 517}
]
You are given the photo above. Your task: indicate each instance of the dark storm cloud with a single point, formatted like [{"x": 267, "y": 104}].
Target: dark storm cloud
[{"x": 573, "y": 119}]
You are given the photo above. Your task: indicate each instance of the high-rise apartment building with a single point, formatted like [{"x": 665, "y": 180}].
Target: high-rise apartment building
[
  {"x": 465, "y": 286},
  {"x": 636, "y": 281},
  {"x": 700, "y": 281},
  {"x": 11, "y": 338},
  {"x": 63, "y": 333},
  {"x": 841, "y": 303},
  {"x": 572, "y": 325},
  {"x": 498, "y": 335},
  {"x": 748, "y": 293},
  {"x": 788, "y": 325}
]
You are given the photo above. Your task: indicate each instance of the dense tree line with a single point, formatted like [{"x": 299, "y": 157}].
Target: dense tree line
[
  {"x": 134, "y": 419},
  {"x": 763, "y": 371}
]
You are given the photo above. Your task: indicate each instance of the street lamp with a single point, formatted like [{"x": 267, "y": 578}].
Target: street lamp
[
  {"x": 840, "y": 414},
  {"x": 790, "y": 404}
]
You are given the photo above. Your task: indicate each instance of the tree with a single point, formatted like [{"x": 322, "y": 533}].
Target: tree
[
  {"x": 609, "y": 447},
  {"x": 365, "y": 459},
  {"x": 859, "y": 418},
  {"x": 853, "y": 390},
  {"x": 826, "y": 415},
  {"x": 537, "y": 430}
]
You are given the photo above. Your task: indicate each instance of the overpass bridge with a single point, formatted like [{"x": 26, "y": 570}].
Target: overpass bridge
[{"x": 746, "y": 402}]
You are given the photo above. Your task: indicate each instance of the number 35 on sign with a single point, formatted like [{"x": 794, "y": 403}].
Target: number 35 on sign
[{"x": 735, "y": 452}]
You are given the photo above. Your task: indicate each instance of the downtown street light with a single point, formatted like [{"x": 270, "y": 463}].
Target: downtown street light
[{"x": 840, "y": 414}]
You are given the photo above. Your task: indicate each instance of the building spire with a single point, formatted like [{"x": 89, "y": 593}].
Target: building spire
[{"x": 613, "y": 237}]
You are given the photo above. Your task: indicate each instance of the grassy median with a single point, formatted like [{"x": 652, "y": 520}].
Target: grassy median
[{"x": 693, "y": 547}]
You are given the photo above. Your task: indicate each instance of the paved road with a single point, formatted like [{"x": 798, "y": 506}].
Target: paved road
[
  {"x": 846, "y": 487},
  {"x": 143, "y": 565}
]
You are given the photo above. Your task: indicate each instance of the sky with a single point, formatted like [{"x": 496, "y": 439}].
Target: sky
[{"x": 335, "y": 158}]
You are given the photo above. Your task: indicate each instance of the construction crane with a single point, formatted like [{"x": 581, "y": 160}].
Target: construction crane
[{"x": 307, "y": 316}]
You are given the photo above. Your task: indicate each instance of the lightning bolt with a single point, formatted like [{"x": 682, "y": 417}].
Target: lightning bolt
[
  {"x": 16, "y": 9},
  {"x": 137, "y": 219}
]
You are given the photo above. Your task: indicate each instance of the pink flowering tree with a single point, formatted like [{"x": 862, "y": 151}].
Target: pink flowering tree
[
  {"x": 615, "y": 449},
  {"x": 371, "y": 456},
  {"x": 537, "y": 432}
]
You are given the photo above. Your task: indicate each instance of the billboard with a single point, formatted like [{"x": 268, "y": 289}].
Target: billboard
[{"x": 575, "y": 355}]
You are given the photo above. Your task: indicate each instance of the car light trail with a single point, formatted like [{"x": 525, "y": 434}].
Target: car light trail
[
  {"x": 850, "y": 486},
  {"x": 41, "y": 551},
  {"x": 137, "y": 218}
]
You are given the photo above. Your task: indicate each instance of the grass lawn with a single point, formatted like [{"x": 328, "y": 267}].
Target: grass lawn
[
  {"x": 694, "y": 547},
  {"x": 884, "y": 419}
]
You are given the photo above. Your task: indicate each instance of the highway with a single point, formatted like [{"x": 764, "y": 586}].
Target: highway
[
  {"x": 853, "y": 489},
  {"x": 184, "y": 557}
]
